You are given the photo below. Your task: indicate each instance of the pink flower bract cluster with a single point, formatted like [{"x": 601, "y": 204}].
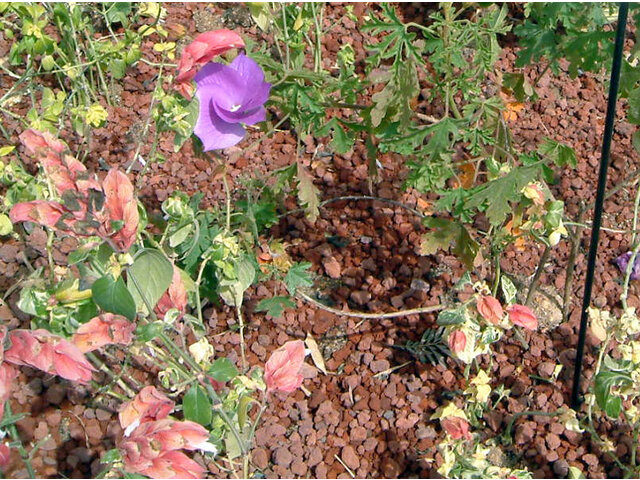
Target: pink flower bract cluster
[
  {"x": 50, "y": 353},
  {"x": 152, "y": 441},
  {"x": 116, "y": 221},
  {"x": 105, "y": 329},
  {"x": 201, "y": 51},
  {"x": 42, "y": 350}
]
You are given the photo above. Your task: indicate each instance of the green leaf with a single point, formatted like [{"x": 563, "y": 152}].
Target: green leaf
[
  {"x": 113, "y": 296},
  {"x": 518, "y": 84},
  {"x": 243, "y": 406},
  {"x": 196, "y": 406},
  {"x": 149, "y": 276},
  {"x": 308, "y": 193},
  {"x": 146, "y": 333},
  {"x": 222, "y": 369},
  {"x": 117, "y": 12},
  {"x": 245, "y": 272},
  {"x": 192, "y": 110},
  {"x": 447, "y": 234},
  {"x": 509, "y": 290},
  {"x": 111, "y": 456},
  {"x": 298, "y": 276},
  {"x": 341, "y": 142},
  {"x": 558, "y": 152},
  {"x": 497, "y": 194},
  {"x": 635, "y": 140},
  {"x": 118, "y": 68},
  {"x": 274, "y": 306},
  {"x": 605, "y": 380},
  {"x": 33, "y": 302},
  {"x": 452, "y": 317},
  {"x": 393, "y": 103}
]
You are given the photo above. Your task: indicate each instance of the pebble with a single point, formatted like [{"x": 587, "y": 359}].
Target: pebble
[
  {"x": 378, "y": 366},
  {"x": 282, "y": 456},
  {"x": 561, "y": 468},
  {"x": 260, "y": 458},
  {"x": 350, "y": 458}
]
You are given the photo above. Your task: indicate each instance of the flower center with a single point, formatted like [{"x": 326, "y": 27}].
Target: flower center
[{"x": 234, "y": 108}]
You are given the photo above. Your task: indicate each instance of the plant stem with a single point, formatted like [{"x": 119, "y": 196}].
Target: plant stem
[
  {"x": 496, "y": 279},
  {"x": 14, "y": 434},
  {"x": 536, "y": 277},
  {"x": 507, "y": 432},
  {"x": 242, "y": 342},
  {"x": 103, "y": 368}
]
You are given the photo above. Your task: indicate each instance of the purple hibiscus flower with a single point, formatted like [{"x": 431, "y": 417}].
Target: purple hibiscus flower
[
  {"x": 230, "y": 96},
  {"x": 623, "y": 261}
]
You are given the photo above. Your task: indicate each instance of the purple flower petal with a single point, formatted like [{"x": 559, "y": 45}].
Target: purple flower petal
[
  {"x": 214, "y": 132},
  {"x": 230, "y": 95},
  {"x": 623, "y": 262}
]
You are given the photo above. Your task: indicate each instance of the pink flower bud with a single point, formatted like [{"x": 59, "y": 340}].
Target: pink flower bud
[
  {"x": 490, "y": 309},
  {"x": 522, "y": 316},
  {"x": 152, "y": 449},
  {"x": 120, "y": 206},
  {"x": 457, "y": 341}
]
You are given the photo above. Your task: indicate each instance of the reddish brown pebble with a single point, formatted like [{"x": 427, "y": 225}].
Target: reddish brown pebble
[
  {"x": 260, "y": 458},
  {"x": 350, "y": 458},
  {"x": 332, "y": 267},
  {"x": 282, "y": 457}
]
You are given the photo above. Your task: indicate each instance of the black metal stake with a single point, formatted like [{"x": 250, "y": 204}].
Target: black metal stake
[{"x": 597, "y": 215}]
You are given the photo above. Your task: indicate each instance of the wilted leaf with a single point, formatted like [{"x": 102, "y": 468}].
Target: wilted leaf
[
  {"x": 598, "y": 324},
  {"x": 316, "y": 355},
  {"x": 308, "y": 193},
  {"x": 511, "y": 110}
]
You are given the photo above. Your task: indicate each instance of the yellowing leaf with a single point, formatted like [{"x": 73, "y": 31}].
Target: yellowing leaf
[
  {"x": 598, "y": 324},
  {"x": 467, "y": 174},
  {"x": 6, "y": 150}
]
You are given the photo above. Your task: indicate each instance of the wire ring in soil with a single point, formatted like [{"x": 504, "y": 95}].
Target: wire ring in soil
[{"x": 356, "y": 314}]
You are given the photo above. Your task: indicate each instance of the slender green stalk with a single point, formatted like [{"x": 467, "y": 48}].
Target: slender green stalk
[
  {"x": 242, "y": 342},
  {"x": 26, "y": 458}
]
